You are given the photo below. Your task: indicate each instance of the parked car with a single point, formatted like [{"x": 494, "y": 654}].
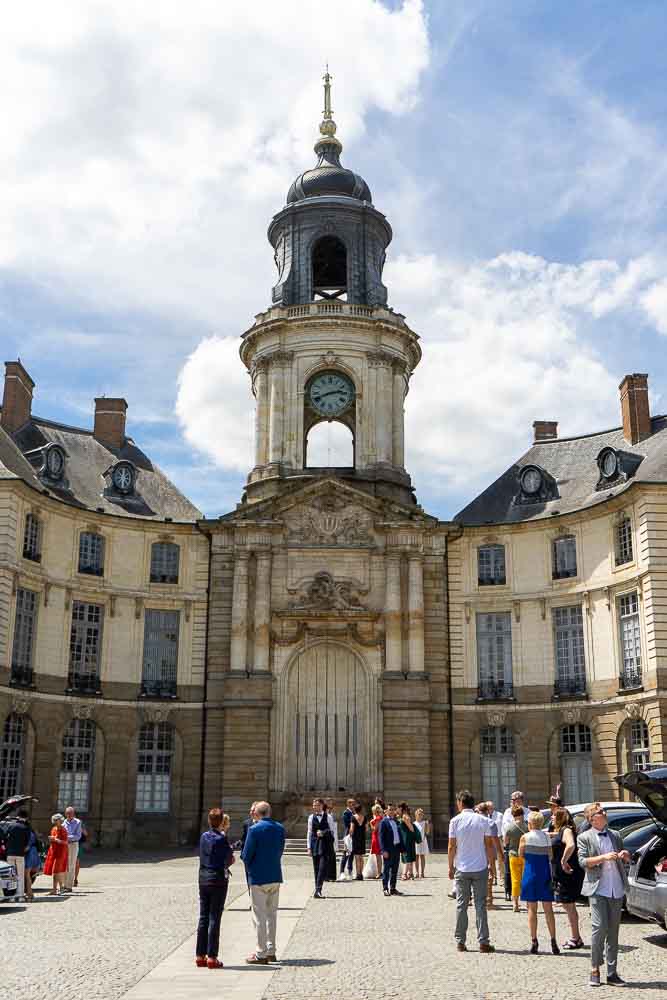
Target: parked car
[
  {"x": 7, "y": 813},
  {"x": 647, "y": 892},
  {"x": 8, "y": 881},
  {"x": 619, "y": 814}
]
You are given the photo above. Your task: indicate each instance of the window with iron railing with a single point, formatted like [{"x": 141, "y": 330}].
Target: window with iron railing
[
  {"x": 25, "y": 627},
  {"x": 85, "y": 648},
  {"x": 160, "y": 659},
  {"x": 491, "y": 565},
  {"x": 494, "y": 655},
  {"x": 630, "y": 636},
  {"x": 568, "y": 626}
]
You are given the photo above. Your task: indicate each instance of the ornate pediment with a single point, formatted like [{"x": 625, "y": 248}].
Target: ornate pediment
[
  {"x": 324, "y": 593},
  {"x": 329, "y": 520}
]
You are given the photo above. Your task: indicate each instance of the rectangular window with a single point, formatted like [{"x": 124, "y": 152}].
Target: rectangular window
[
  {"x": 85, "y": 648},
  {"x": 32, "y": 548},
  {"x": 624, "y": 542},
  {"x": 568, "y": 627},
  {"x": 154, "y": 768},
  {"x": 491, "y": 565},
  {"x": 160, "y": 663},
  {"x": 564, "y": 552},
  {"x": 628, "y": 615},
  {"x": 164, "y": 562},
  {"x": 494, "y": 654},
  {"x": 25, "y": 627},
  {"x": 577, "y": 775},
  {"x": 91, "y": 553}
]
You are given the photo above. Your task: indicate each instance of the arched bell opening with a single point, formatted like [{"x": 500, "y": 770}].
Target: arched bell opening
[
  {"x": 329, "y": 264},
  {"x": 329, "y": 444}
]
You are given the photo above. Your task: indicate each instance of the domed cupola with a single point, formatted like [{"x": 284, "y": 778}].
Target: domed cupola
[
  {"x": 329, "y": 241},
  {"x": 328, "y": 177}
]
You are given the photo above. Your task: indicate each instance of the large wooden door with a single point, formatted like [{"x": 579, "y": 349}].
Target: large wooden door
[{"x": 328, "y": 720}]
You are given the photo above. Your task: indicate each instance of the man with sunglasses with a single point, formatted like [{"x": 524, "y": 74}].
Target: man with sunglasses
[{"x": 601, "y": 855}]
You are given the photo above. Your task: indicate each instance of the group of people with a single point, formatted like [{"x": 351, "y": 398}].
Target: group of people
[
  {"x": 62, "y": 857},
  {"x": 555, "y": 863},
  {"x": 322, "y": 840}
]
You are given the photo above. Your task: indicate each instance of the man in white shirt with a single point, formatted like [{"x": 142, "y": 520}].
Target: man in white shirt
[
  {"x": 601, "y": 855},
  {"x": 516, "y": 800},
  {"x": 320, "y": 842},
  {"x": 73, "y": 827},
  {"x": 470, "y": 853}
]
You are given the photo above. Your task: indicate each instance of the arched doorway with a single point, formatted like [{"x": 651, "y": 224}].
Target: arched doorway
[{"x": 328, "y": 720}]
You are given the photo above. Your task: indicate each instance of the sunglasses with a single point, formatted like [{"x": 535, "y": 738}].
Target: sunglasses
[{"x": 600, "y": 812}]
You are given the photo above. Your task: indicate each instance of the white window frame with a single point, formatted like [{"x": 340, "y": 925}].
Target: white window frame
[
  {"x": 77, "y": 764},
  {"x": 497, "y": 556},
  {"x": 25, "y": 634},
  {"x": 82, "y": 632},
  {"x": 495, "y": 672},
  {"x": 629, "y": 621},
  {"x": 639, "y": 742},
  {"x": 160, "y": 559},
  {"x": 569, "y": 650},
  {"x": 153, "y": 790},
  {"x": 498, "y": 765},
  {"x": 624, "y": 542},
  {"x": 12, "y": 754},
  {"x": 576, "y": 762},
  {"x": 91, "y": 562},
  {"x": 159, "y": 667},
  {"x": 563, "y": 566}
]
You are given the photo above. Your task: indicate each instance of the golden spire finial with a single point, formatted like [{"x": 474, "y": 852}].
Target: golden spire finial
[{"x": 327, "y": 125}]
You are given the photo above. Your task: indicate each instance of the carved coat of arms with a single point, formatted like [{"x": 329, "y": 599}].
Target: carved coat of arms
[
  {"x": 323, "y": 593},
  {"x": 330, "y": 520}
]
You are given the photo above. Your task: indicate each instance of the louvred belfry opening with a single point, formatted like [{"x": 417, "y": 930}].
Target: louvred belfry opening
[{"x": 329, "y": 268}]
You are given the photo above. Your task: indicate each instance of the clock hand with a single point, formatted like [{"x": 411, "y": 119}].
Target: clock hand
[{"x": 330, "y": 392}]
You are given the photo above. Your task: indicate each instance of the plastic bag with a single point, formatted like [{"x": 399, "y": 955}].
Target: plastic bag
[
  {"x": 347, "y": 842},
  {"x": 371, "y": 867}
]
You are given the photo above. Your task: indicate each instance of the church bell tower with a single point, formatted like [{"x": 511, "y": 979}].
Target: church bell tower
[{"x": 330, "y": 348}]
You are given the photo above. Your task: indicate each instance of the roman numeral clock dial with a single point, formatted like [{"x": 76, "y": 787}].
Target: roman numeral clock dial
[{"x": 330, "y": 394}]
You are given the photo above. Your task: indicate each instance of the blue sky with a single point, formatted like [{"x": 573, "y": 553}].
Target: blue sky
[{"x": 518, "y": 149}]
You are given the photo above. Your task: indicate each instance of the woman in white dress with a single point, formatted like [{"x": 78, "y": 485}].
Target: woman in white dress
[{"x": 421, "y": 849}]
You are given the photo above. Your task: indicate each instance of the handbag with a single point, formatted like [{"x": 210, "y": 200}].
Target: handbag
[{"x": 347, "y": 842}]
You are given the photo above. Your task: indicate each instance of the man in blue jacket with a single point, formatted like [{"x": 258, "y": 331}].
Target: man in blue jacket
[
  {"x": 261, "y": 856},
  {"x": 390, "y": 845}
]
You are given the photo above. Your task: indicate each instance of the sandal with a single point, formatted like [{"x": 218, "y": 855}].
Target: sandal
[{"x": 573, "y": 944}]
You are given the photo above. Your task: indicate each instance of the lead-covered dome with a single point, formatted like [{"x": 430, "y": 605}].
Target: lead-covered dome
[{"x": 329, "y": 176}]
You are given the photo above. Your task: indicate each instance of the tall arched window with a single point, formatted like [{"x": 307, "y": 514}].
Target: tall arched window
[
  {"x": 640, "y": 745},
  {"x": 11, "y": 756},
  {"x": 498, "y": 763},
  {"x": 576, "y": 763},
  {"x": 76, "y": 772},
  {"x": 330, "y": 444},
  {"x": 329, "y": 267},
  {"x": 154, "y": 762}
]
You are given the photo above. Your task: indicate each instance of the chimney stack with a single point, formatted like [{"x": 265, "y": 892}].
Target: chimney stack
[
  {"x": 544, "y": 430},
  {"x": 109, "y": 427},
  {"x": 634, "y": 408},
  {"x": 17, "y": 397}
]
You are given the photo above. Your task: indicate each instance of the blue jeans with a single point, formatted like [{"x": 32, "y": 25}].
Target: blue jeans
[{"x": 211, "y": 904}]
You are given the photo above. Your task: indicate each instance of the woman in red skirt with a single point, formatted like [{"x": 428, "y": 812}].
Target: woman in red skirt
[
  {"x": 376, "y": 850},
  {"x": 56, "y": 858}
]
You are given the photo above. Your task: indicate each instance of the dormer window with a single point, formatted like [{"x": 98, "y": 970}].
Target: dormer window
[
  {"x": 123, "y": 478},
  {"x": 615, "y": 466},
  {"x": 608, "y": 463},
  {"x": 54, "y": 462},
  {"x": 535, "y": 486}
]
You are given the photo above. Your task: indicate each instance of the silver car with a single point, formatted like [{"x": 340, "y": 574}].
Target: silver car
[
  {"x": 647, "y": 893},
  {"x": 8, "y": 881}
]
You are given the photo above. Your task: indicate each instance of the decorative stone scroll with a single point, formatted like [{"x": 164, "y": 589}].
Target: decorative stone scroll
[
  {"x": 323, "y": 593},
  {"x": 571, "y": 716},
  {"x": 82, "y": 709},
  {"x": 633, "y": 710},
  {"x": 496, "y": 718},
  {"x": 330, "y": 520},
  {"x": 21, "y": 704},
  {"x": 155, "y": 713}
]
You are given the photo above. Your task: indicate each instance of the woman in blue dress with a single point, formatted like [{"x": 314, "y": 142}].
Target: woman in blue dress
[{"x": 536, "y": 885}]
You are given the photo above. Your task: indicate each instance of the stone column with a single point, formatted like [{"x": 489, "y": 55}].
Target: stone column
[
  {"x": 262, "y": 610},
  {"x": 398, "y": 439},
  {"x": 383, "y": 405},
  {"x": 415, "y": 613},
  {"x": 392, "y": 614},
  {"x": 239, "y": 645},
  {"x": 276, "y": 411},
  {"x": 260, "y": 385}
]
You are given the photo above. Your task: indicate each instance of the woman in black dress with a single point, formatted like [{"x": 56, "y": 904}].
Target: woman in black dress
[
  {"x": 568, "y": 876},
  {"x": 358, "y": 834}
]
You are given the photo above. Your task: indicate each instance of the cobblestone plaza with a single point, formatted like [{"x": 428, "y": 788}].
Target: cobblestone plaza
[{"x": 128, "y": 932}]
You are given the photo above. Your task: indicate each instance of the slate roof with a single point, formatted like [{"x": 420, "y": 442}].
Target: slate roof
[
  {"x": 572, "y": 464},
  {"x": 84, "y": 484}
]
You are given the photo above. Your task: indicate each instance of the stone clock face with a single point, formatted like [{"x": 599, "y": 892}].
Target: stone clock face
[{"x": 330, "y": 393}]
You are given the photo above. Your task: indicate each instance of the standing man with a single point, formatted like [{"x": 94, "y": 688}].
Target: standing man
[
  {"x": 516, "y": 799},
  {"x": 74, "y": 830},
  {"x": 601, "y": 855},
  {"x": 261, "y": 856},
  {"x": 390, "y": 844},
  {"x": 320, "y": 843},
  {"x": 17, "y": 843},
  {"x": 346, "y": 856},
  {"x": 496, "y": 817},
  {"x": 470, "y": 853}
]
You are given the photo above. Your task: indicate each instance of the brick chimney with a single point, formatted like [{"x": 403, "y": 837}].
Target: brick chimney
[
  {"x": 17, "y": 397},
  {"x": 544, "y": 430},
  {"x": 109, "y": 427},
  {"x": 634, "y": 408}
]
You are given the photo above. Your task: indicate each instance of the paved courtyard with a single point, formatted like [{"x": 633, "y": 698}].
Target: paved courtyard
[{"x": 128, "y": 932}]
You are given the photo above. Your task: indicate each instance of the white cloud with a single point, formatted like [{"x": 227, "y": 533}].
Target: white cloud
[
  {"x": 654, "y": 301},
  {"x": 141, "y": 144}
]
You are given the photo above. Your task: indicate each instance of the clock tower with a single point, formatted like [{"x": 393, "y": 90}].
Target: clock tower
[
  {"x": 330, "y": 348},
  {"x": 327, "y": 666}
]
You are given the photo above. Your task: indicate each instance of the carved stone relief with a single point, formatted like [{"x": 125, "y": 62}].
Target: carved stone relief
[
  {"x": 324, "y": 593},
  {"x": 82, "y": 710},
  {"x": 496, "y": 718},
  {"x": 633, "y": 710},
  {"x": 21, "y": 704},
  {"x": 330, "y": 520},
  {"x": 571, "y": 716},
  {"x": 155, "y": 713}
]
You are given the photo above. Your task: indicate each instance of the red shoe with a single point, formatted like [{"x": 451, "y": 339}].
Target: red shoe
[
  {"x": 200, "y": 961},
  {"x": 213, "y": 963}
]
